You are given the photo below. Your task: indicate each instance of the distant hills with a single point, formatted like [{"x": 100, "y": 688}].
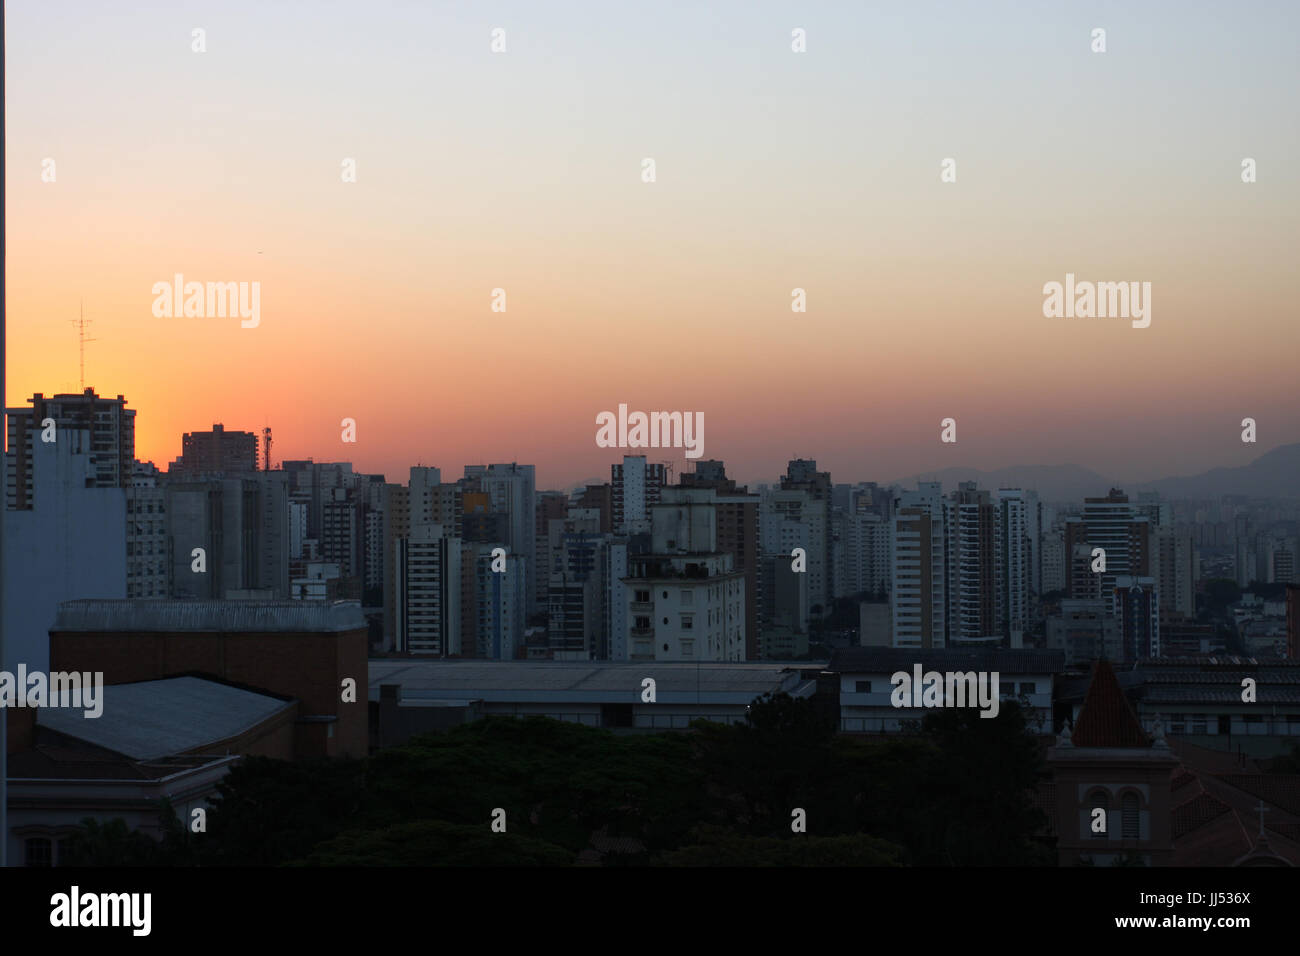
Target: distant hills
[{"x": 1275, "y": 474}]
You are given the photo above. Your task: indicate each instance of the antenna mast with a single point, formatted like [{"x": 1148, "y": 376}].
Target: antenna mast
[{"x": 81, "y": 324}]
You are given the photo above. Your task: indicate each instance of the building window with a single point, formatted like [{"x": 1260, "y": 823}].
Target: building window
[
  {"x": 642, "y": 597},
  {"x": 688, "y": 622},
  {"x": 1130, "y": 816},
  {"x": 1028, "y": 687},
  {"x": 40, "y": 852},
  {"x": 688, "y": 597},
  {"x": 862, "y": 687}
]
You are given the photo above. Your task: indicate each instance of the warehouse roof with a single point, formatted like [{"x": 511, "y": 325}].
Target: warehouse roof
[{"x": 589, "y": 681}]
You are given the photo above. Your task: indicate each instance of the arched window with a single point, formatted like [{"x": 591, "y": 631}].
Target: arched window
[
  {"x": 1099, "y": 800},
  {"x": 1130, "y": 816}
]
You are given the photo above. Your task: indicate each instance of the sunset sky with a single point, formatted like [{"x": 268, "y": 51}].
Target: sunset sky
[{"x": 775, "y": 170}]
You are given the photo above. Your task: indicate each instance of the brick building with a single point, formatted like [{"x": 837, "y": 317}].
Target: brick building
[{"x": 298, "y": 650}]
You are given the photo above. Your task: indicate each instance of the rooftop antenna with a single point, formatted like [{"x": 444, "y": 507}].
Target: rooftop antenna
[
  {"x": 81, "y": 324},
  {"x": 266, "y": 448}
]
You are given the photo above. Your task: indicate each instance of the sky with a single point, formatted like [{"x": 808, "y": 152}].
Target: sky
[{"x": 775, "y": 170}]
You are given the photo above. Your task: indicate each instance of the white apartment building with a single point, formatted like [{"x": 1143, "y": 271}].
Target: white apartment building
[
  {"x": 685, "y": 601},
  {"x": 918, "y": 568}
]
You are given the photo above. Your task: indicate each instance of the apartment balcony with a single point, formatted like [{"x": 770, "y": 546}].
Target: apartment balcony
[{"x": 643, "y": 632}]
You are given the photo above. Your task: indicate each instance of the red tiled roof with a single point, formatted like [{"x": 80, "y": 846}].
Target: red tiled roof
[
  {"x": 1107, "y": 719},
  {"x": 1279, "y": 789},
  {"x": 1196, "y": 812}
]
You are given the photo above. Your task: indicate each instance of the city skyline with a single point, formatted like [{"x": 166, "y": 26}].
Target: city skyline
[{"x": 394, "y": 466}]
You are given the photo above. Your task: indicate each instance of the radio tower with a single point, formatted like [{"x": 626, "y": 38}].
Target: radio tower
[
  {"x": 266, "y": 448},
  {"x": 81, "y": 324}
]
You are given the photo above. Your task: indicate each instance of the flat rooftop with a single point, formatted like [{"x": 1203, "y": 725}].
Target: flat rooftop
[
  {"x": 594, "y": 682},
  {"x": 145, "y": 616}
]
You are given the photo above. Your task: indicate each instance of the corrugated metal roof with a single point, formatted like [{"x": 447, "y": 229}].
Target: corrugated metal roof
[
  {"x": 254, "y": 616},
  {"x": 583, "y": 681},
  {"x": 160, "y": 718}
]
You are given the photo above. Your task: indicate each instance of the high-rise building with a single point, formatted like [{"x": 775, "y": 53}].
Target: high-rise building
[
  {"x": 110, "y": 428},
  {"x": 425, "y": 591},
  {"x": 1293, "y": 621},
  {"x": 1172, "y": 567},
  {"x": 615, "y": 557},
  {"x": 635, "y": 486},
  {"x": 215, "y": 454},
  {"x": 1054, "y": 564},
  {"x": 865, "y": 538},
  {"x": 427, "y": 612},
  {"x": 242, "y": 527},
  {"x": 551, "y": 505},
  {"x": 784, "y": 608},
  {"x": 1083, "y": 583},
  {"x": 1117, "y": 526},
  {"x": 148, "y": 558},
  {"x": 973, "y": 566},
  {"x": 493, "y": 617},
  {"x": 577, "y": 608},
  {"x": 783, "y": 508},
  {"x": 918, "y": 568},
  {"x": 736, "y": 512},
  {"x": 66, "y": 543},
  {"x": 1017, "y": 557},
  {"x": 1136, "y": 605},
  {"x": 512, "y": 489},
  {"x": 815, "y": 510},
  {"x": 600, "y": 497},
  {"x": 341, "y": 538}
]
